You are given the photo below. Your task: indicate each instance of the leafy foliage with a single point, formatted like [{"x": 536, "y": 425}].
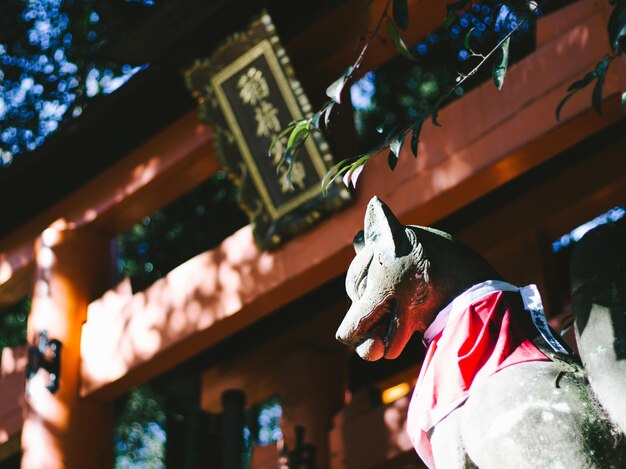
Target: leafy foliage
[
  {"x": 13, "y": 324},
  {"x": 262, "y": 427},
  {"x": 50, "y": 68},
  {"x": 196, "y": 222},
  {"x": 396, "y": 39},
  {"x": 139, "y": 440},
  {"x": 335, "y": 89},
  {"x": 518, "y": 14},
  {"x": 452, "y": 9},
  {"x": 401, "y": 13},
  {"x": 500, "y": 63},
  {"x": 395, "y": 19},
  {"x": 402, "y": 94},
  {"x": 599, "y": 74},
  {"x": 617, "y": 26}
]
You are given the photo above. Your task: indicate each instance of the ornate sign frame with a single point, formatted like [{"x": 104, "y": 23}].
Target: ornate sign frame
[{"x": 247, "y": 92}]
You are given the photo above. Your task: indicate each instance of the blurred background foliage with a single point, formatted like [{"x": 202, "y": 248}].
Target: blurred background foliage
[
  {"x": 50, "y": 66},
  {"x": 396, "y": 93},
  {"x": 13, "y": 324},
  {"x": 139, "y": 441},
  {"x": 194, "y": 223}
]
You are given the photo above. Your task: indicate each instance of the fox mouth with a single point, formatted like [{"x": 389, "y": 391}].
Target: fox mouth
[{"x": 381, "y": 323}]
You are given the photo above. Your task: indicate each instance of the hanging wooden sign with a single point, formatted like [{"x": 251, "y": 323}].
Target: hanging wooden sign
[{"x": 248, "y": 93}]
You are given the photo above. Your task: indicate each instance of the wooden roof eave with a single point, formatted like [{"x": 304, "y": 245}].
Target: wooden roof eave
[{"x": 156, "y": 173}]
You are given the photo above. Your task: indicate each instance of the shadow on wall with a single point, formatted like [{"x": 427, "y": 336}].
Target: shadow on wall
[
  {"x": 12, "y": 384},
  {"x": 198, "y": 295},
  {"x": 368, "y": 436}
]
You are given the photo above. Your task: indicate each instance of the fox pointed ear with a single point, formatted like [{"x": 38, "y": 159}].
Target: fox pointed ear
[{"x": 381, "y": 226}]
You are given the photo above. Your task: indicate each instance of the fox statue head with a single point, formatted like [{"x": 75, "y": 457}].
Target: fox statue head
[{"x": 400, "y": 278}]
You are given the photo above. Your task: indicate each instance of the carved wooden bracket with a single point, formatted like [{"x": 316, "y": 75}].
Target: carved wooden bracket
[{"x": 47, "y": 355}]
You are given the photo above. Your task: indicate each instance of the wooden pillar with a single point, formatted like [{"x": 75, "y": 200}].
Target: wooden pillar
[
  {"x": 312, "y": 391},
  {"x": 62, "y": 430},
  {"x": 191, "y": 437},
  {"x": 233, "y": 402}
]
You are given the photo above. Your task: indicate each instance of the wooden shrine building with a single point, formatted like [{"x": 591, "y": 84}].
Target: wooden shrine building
[{"x": 501, "y": 174}]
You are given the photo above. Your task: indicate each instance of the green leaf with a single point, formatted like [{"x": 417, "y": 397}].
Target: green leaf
[
  {"x": 580, "y": 84},
  {"x": 603, "y": 66},
  {"x": 396, "y": 144},
  {"x": 501, "y": 63},
  {"x": 391, "y": 134},
  {"x": 300, "y": 133},
  {"x": 327, "y": 112},
  {"x": 283, "y": 132},
  {"x": 352, "y": 176},
  {"x": 466, "y": 41},
  {"x": 341, "y": 172},
  {"x": 333, "y": 173},
  {"x": 392, "y": 160},
  {"x": 290, "y": 158},
  {"x": 398, "y": 43},
  {"x": 451, "y": 9},
  {"x": 562, "y": 103},
  {"x": 449, "y": 20},
  {"x": 415, "y": 137},
  {"x": 401, "y": 13},
  {"x": 287, "y": 158},
  {"x": 434, "y": 116},
  {"x": 617, "y": 27},
  {"x": 596, "y": 95},
  {"x": 573, "y": 89},
  {"x": 315, "y": 119},
  {"x": 335, "y": 89},
  {"x": 287, "y": 175}
]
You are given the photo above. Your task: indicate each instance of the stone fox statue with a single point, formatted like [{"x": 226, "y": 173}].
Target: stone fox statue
[{"x": 497, "y": 389}]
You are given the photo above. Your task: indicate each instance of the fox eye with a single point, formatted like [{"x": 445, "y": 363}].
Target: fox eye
[
  {"x": 361, "y": 278},
  {"x": 362, "y": 285}
]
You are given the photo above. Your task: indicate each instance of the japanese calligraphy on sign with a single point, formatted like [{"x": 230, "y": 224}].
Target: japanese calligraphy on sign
[
  {"x": 253, "y": 90},
  {"x": 248, "y": 93},
  {"x": 253, "y": 87}
]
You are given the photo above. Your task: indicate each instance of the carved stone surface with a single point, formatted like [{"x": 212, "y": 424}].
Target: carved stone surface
[
  {"x": 598, "y": 279},
  {"x": 541, "y": 413}
]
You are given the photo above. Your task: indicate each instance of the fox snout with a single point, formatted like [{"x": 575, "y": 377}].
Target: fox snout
[
  {"x": 342, "y": 339},
  {"x": 347, "y": 333}
]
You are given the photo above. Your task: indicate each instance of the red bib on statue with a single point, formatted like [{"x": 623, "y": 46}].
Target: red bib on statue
[{"x": 471, "y": 339}]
